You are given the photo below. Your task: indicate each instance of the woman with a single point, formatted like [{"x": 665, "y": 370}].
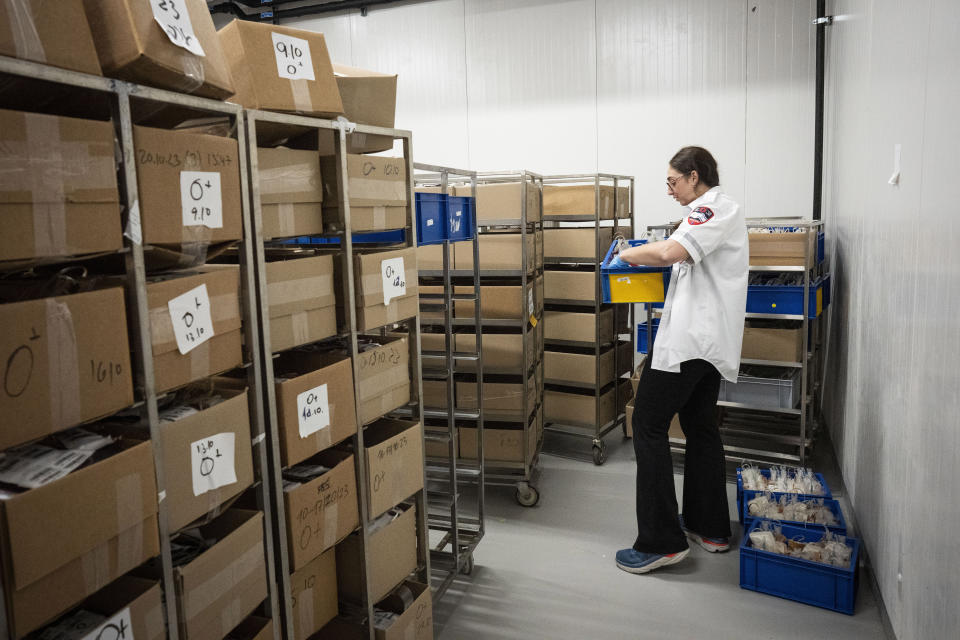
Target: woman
[{"x": 699, "y": 341}]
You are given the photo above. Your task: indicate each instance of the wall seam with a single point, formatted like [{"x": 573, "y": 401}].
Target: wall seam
[{"x": 466, "y": 83}]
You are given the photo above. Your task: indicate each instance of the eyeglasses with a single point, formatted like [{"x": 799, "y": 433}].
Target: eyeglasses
[{"x": 672, "y": 182}]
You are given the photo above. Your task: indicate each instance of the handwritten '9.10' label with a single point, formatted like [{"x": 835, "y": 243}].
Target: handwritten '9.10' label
[
  {"x": 313, "y": 410},
  {"x": 200, "y": 199},
  {"x": 293, "y": 57},
  {"x": 174, "y": 19},
  {"x": 394, "y": 279},
  {"x": 192, "y": 322},
  {"x": 212, "y": 463}
]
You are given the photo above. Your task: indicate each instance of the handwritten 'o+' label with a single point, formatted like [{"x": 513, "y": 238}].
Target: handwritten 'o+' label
[
  {"x": 394, "y": 279},
  {"x": 119, "y": 627},
  {"x": 201, "y": 199},
  {"x": 192, "y": 322},
  {"x": 313, "y": 410},
  {"x": 293, "y": 57},
  {"x": 212, "y": 462}
]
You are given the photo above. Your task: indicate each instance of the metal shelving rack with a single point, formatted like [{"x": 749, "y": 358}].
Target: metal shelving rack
[
  {"x": 348, "y": 333},
  {"x": 448, "y": 475},
  {"x": 126, "y": 103},
  {"x": 600, "y": 427},
  {"x": 521, "y": 474},
  {"x": 765, "y": 434}
]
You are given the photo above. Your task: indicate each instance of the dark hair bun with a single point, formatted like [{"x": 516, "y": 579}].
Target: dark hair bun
[{"x": 697, "y": 159}]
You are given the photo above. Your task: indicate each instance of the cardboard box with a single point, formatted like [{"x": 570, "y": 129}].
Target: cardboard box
[
  {"x": 258, "y": 53},
  {"x": 253, "y": 628},
  {"x": 314, "y": 592},
  {"x": 570, "y": 285},
  {"x": 567, "y": 326},
  {"x": 369, "y": 98},
  {"x": 437, "y": 448},
  {"x": 394, "y": 457},
  {"x": 675, "y": 432},
  {"x": 378, "y": 193},
  {"x": 54, "y": 34},
  {"x": 369, "y": 269},
  {"x": 302, "y": 302},
  {"x": 777, "y": 345},
  {"x": 329, "y": 377},
  {"x": 131, "y": 603},
  {"x": 782, "y": 249},
  {"x": 391, "y": 557},
  {"x": 501, "y": 400},
  {"x": 219, "y": 353},
  {"x": 635, "y": 378},
  {"x": 502, "y": 302},
  {"x": 179, "y": 438},
  {"x": 133, "y": 46},
  {"x": 580, "y": 368},
  {"x": 169, "y": 215},
  {"x": 573, "y": 408},
  {"x": 577, "y": 243},
  {"x": 430, "y": 257},
  {"x": 70, "y": 538},
  {"x": 384, "y": 374},
  {"x": 504, "y": 201},
  {"x": 415, "y": 621},
  {"x": 578, "y": 200},
  {"x": 499, "y": 445},
  {"x": 291, "y": 192},
  {"x": 502, "y": 352},
  {"x": 538, "y": 247},
  {"x": 435, "y": 394},
  {"x": 58, "y": 187},
  {"x": 321, "y": 512},
  {"x": 500, "y": 252},
  {"x": 67, "y": 362},
  {"x": 624, "y": 207},
  {"x": 223, "y": 585}
]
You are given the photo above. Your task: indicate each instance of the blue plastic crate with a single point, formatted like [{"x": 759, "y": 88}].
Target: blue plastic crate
[
  {"x": 787, "y": 299},
  {"x": 431, "y": 218},
  {"x": 821, "y": 246},
  {"x": 745, "y": 495},
  {"x": 461, "y": 211},
  {"x": 632, "y": 284},
  {"x": 813, "y": 583},
  {"x": 834, "y": 506},
  {"x": 642, "y": 343}
]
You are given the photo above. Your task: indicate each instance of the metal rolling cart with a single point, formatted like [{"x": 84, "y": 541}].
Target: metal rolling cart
[
  {"x": 459, "y": 526},
  {"x": 772, "y": 434},
  {"x": 616, "y": 338},
  {"x": 126, "y": 104},
  {"x": 523, "y": 223},
  {"x": 340, "y": 244}
]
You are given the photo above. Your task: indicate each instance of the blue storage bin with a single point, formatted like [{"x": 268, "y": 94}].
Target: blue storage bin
[
  {"x": 821, "y": 246},
  {"x": 632, "y": 284},
  {"x": 642, "y": 343},
  {"x": 834, "y": 506},
  {"x": 461, "y": 211},
  {"x": 786, "y": 299},
  {"x": 813, "y": 583},
  {"x": 431, "y": 218},
  {"x": 745, "y": 495}
]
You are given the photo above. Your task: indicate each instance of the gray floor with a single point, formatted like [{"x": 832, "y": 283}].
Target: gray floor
[{"x": 548, "y": 572}]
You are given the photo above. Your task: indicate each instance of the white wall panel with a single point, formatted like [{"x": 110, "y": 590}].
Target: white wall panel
[{"x": 336, "y": 33}]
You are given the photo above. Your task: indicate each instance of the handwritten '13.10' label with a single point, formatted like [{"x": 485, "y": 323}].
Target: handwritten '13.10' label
[
  {"x": 191, "y": 318},
  {"x": 212, "y": 462},
  {"x": 201, "y": 200}
]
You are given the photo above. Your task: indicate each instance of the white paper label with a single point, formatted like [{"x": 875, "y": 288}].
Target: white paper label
[
  {"x": 456, "y": 220},
  {"x": 174, "y": 19},
  {"x": 293, "y": 57},
  {"x": 134, "y": 231},
  {"x": 200, "y": 199},
  {"x": 313, "y": 409},
  {"x": 530, "y": 302},
  {"x": 192, "y": 323},
  {"x": 429, "y": 222},
  {"x": 119, "y": 627},
  {"x": 394, "y": 279},
  {"x": 211, "y": 461}
]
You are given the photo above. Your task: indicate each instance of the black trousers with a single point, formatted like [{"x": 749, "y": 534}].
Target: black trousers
[{"x": 692, "y": 394}]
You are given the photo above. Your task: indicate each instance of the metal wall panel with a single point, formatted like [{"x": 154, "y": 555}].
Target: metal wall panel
[{"x": 892, "y": 392}]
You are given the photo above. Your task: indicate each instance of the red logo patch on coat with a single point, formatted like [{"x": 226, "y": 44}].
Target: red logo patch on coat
[{"x": 700, "y": 215}]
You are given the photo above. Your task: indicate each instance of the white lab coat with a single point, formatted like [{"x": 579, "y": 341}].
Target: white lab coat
[{"x": 705, "y": 306}]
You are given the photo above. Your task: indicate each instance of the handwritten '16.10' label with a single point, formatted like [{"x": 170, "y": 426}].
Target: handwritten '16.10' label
[
  {"x": 394, "y": 279},
  {"x": 191, "y": 318},
  {"x": 293, "y": 57},
  {"x": 201, "y": 200},
  {"x": 212, "y": 462},
  {"x": 313, "y": 410},
  {"x": 174, "y": 19}
]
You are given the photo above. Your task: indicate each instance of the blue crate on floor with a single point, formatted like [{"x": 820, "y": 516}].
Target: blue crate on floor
[
  {"x": 813, "y": 583},
  {"x": 642, "y": 342},
  {"x": 431, "y": 218},
  {"x": 745, "y": 495},
  {"x": 461, "y": 211},
  {"x": 834, "y": 506}
]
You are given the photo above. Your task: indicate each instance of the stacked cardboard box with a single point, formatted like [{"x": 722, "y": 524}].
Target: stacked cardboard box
[
  {"x": 378, "y": 193},
  {"x": 302, "y": 301},
  {"x": 291, "y": 192}
]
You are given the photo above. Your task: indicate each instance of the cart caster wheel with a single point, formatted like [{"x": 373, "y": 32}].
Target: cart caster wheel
[
  {"x": 467, "y": 566},
  {"x": 599, "y": 454},
  {"x": 528, "y": 496}
]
